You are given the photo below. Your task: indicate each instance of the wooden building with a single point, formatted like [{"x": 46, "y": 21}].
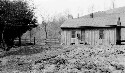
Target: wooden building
[{"x": 105, "y": 30}]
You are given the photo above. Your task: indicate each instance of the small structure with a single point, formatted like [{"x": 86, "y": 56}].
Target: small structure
[{"x": 105, "y": 30}]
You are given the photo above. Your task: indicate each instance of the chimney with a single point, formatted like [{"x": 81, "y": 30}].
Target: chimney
[
  {"x": 119, "y": 22},
  {"x": 91, "y": 15}
]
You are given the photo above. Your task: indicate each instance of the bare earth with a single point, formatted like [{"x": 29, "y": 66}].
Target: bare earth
[{"x": 64, "y": 59}]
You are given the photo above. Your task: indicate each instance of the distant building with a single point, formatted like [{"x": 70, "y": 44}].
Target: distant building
[{"x": 107, "y": 29}]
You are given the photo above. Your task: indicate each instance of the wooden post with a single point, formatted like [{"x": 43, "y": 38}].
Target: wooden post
[
  {"x": 30, "y": 36},
  {"x": 118, "y": 34},
  {"x": 19, "y": 40},
  {"x": 46, "y": 30},
  {"x": 34, "y": 40}
]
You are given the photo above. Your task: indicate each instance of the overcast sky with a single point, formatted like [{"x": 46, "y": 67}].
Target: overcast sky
[{"x": 74, "y": 7}]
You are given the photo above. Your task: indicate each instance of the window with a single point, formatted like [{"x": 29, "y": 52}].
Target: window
[
  {"x": 101, "y": 34},
  {"x": 73, "y": 34}
]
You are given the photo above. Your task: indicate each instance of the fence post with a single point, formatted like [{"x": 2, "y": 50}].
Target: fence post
[{"x": 34, "y": 41}]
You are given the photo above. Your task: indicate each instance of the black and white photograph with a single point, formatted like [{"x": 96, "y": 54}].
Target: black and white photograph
[{"x": 62, "y": 36}]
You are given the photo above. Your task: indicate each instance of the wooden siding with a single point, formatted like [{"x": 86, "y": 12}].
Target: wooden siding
[
  {"x": 96, "y": 37},
  {"x": 107, "y": 38},
  {"x": 68, "y": 37},
  {"x": 115, "y": 36},
  {"x": 78, "y": 40},
  {"x": 72, "y": 40},
  {"x": 83, "y": 36},
  {"x": 62, "y": 37},
  {"x": 122, "y": 33},
  {"x": 86, "y": 36},
  {"x": 91, "y": 37}
]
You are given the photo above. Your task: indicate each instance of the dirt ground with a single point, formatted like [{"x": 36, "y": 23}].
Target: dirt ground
[{"x": 64, "y": 59}]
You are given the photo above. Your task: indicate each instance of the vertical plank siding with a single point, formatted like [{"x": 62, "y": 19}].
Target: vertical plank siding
[
  {"x": 106, "y": 37},
  {"x": 86, "y": 36},
  {"x": 65, "y": 37},
  {"x": 76, "y": 40},
  {"x": 69, "y": 39},
  {"x": 96, "y": 37},
  {"x": 83, "y": 35},
  {"x": 67, "y": 34},
  {"x": 115, "y": 36},
  {"x": 112, "y": 37},
  {"x": 123, "y": 34},
  {"x": 62, "y": 37},
  {"x": 91, "y": 37}
]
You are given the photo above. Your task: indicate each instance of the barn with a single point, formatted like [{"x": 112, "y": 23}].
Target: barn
[{"x": 103, "y": 30}]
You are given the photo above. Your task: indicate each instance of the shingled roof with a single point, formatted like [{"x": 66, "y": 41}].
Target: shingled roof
[{"x": 106, "y": 20}]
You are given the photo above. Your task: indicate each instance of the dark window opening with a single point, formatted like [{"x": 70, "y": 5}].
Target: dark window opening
[
  {"x": 101, "y": 34},
  {"x": 78, "y": 36},
  {"x": 73, "y": 34},
  {"x": 72, "y": 44}
]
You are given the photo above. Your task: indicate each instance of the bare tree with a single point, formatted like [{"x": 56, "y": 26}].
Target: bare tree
[
  {"x": 68, "y": 14},
  {"x": 45, "y": 27},
  {"x": 44, "y": 24},
  {"x": 91, "y": 9}
]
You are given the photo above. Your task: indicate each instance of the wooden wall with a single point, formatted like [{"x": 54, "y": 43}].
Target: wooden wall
[
  {"x": 66, "y": 37},
  {"x": 122, "y": 33},
  {"x": 91, "y": 36}
]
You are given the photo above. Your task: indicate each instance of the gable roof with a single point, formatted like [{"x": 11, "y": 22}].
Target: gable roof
[{"x": 105, "y": 20}]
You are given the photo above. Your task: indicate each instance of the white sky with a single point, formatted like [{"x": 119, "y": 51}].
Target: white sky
[{"x": 53, "y": 7}]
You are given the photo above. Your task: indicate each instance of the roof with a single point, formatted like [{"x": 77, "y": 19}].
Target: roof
[{"x": 99, "y": 21}]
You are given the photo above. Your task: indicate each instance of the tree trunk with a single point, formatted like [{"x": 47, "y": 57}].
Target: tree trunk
[
  {"x": 46, "y": 31},
  {"x": 34, "y": 40},
  {"x": 3, "y": 44},
  {"x": 46, "y": 35}
]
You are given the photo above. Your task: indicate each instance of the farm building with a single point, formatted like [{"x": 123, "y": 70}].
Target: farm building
[{"x": 108, "y": 29}]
